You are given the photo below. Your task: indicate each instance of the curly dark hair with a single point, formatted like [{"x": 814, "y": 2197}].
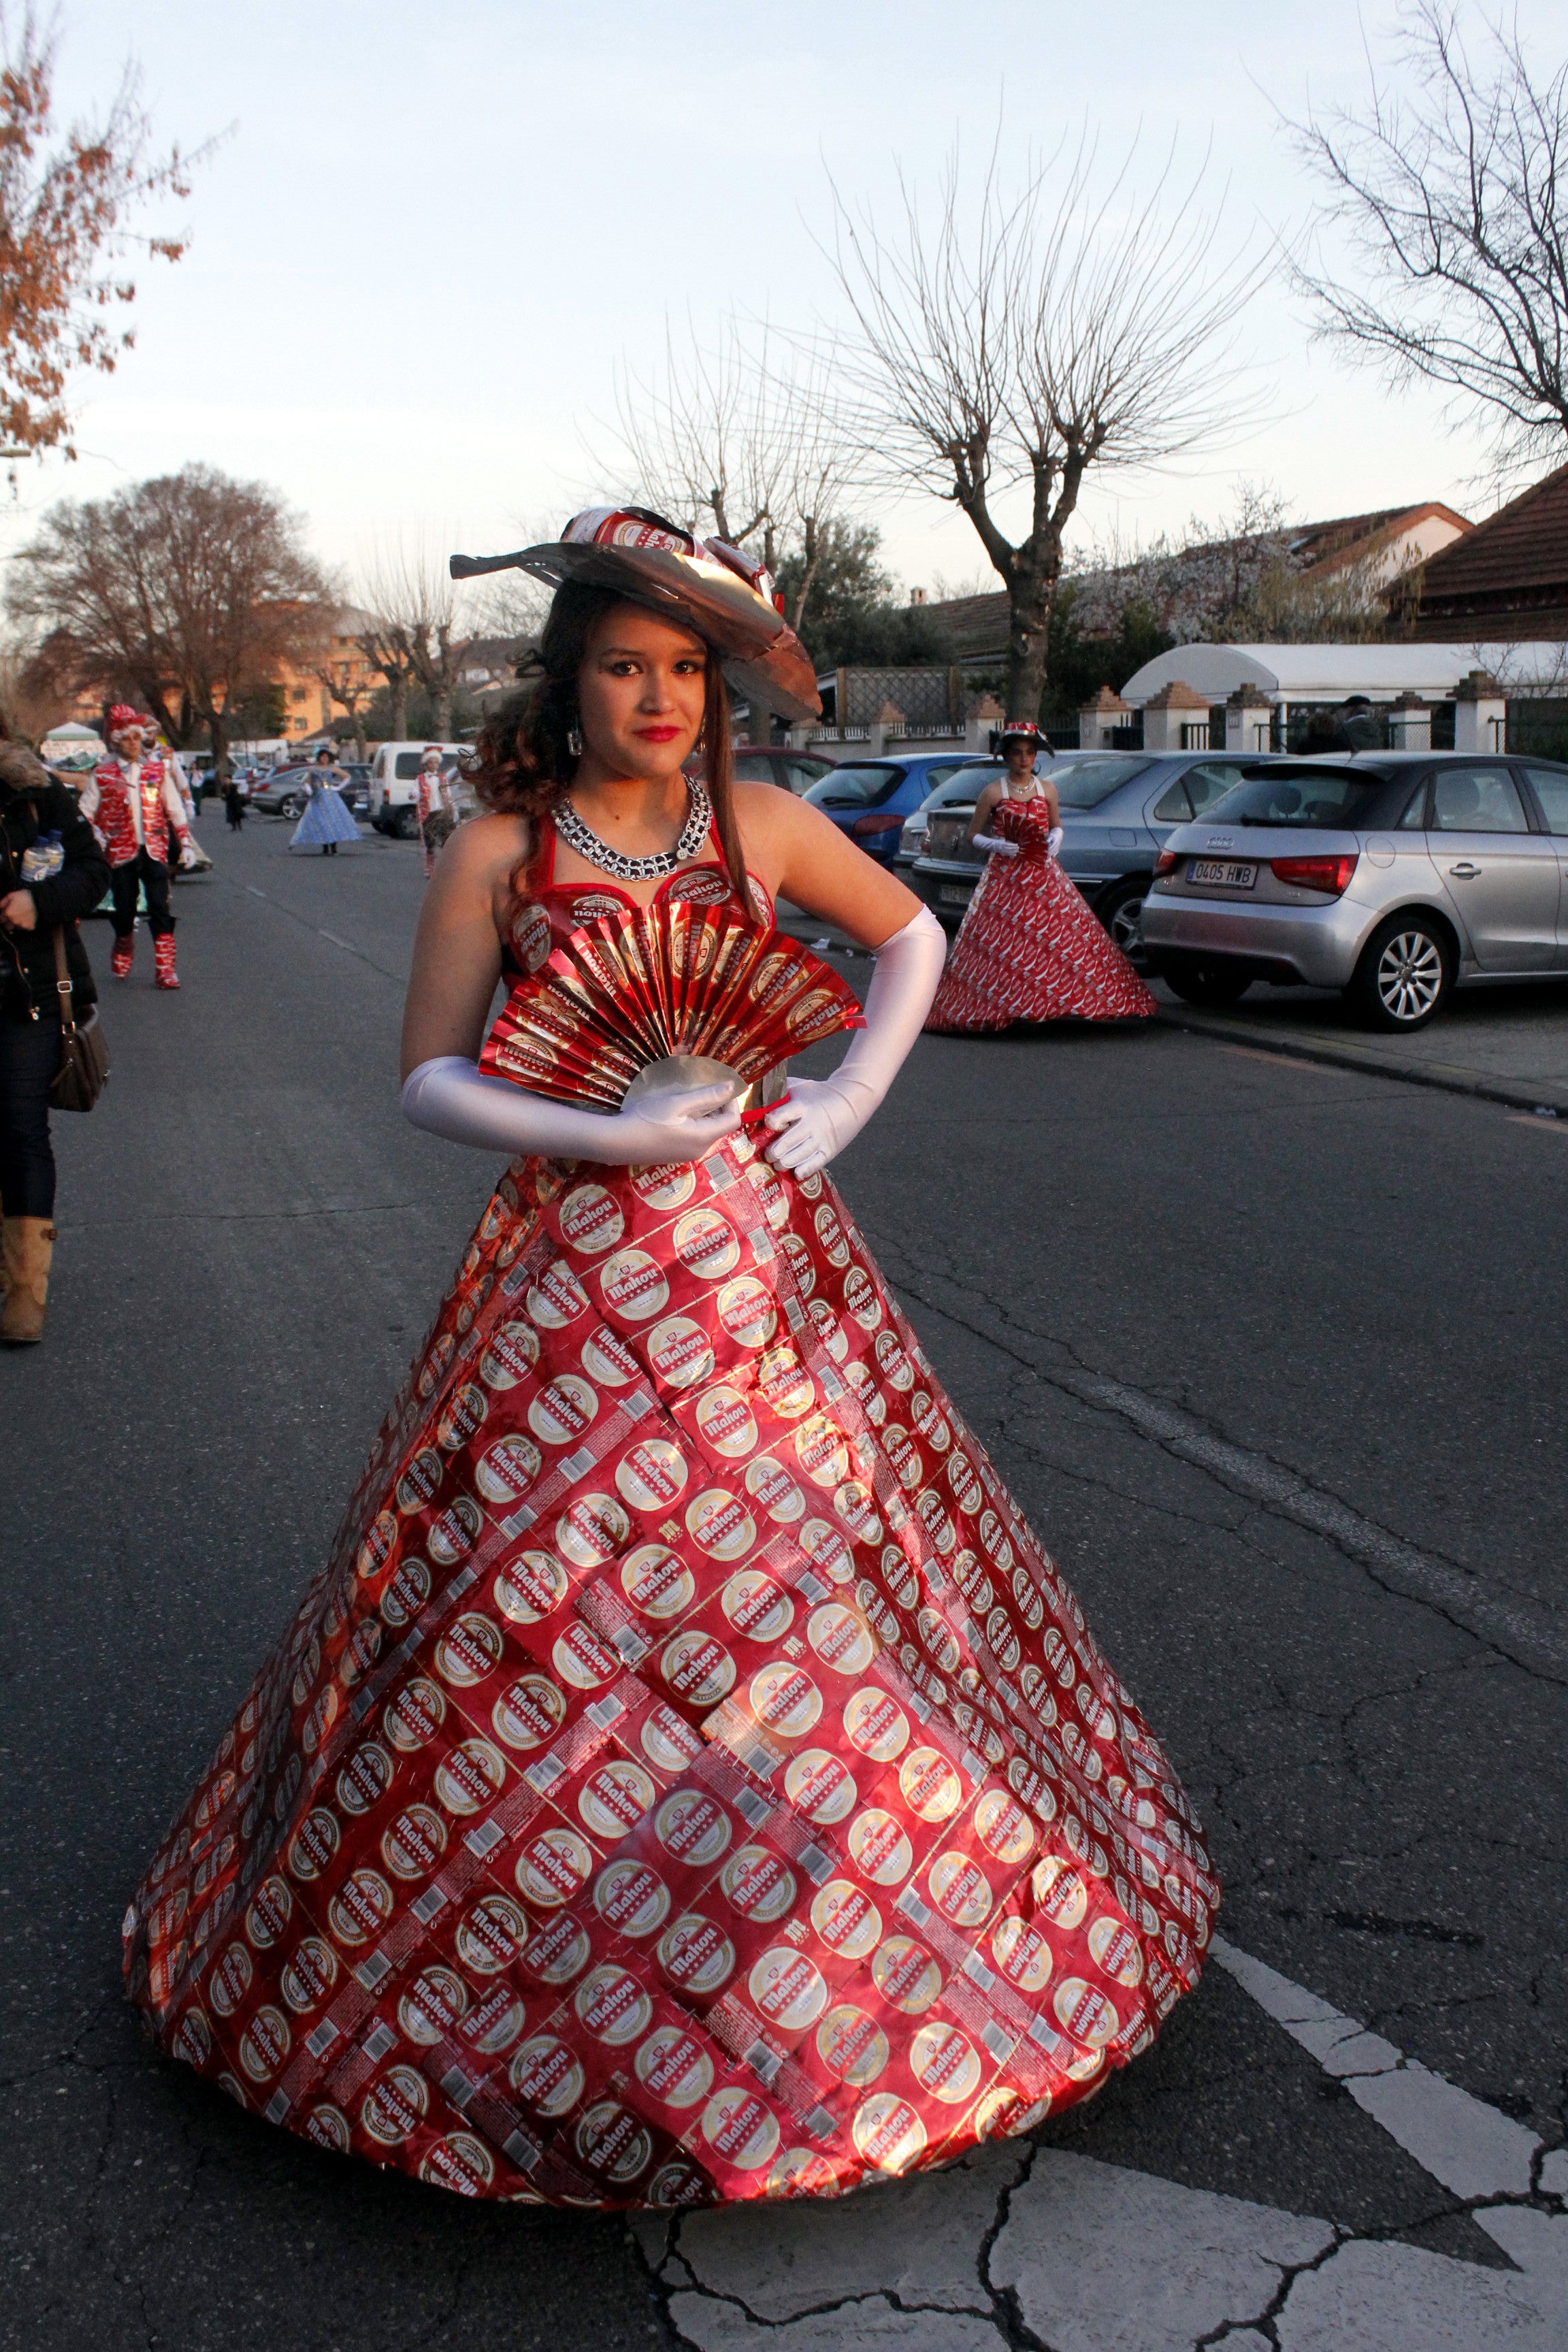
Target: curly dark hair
[{"x": 523, "y": 760}]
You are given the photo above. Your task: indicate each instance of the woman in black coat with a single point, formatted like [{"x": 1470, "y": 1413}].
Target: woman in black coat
[{"x": 52, "y": 869}]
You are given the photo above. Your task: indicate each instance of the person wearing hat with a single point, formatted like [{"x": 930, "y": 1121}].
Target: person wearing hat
[
  {"x": 326, "y": 820},
  {"x": 432, "y": 812},
  {"x": 677, "y": 1607},
  {"x": 134, "y": 806},
  {"x": 1028, "y": 948}
]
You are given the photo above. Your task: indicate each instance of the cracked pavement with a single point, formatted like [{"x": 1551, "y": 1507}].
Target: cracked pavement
[{"x": 1271, "y": 1354}]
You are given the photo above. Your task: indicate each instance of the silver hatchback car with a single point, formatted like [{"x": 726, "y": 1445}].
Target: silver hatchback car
[{"x": 1392, "y": 875}]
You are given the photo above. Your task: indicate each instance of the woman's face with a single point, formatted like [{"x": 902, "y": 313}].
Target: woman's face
[
  {"x": 1020, "y": 757},
  {"x": 640, "y": 694}
]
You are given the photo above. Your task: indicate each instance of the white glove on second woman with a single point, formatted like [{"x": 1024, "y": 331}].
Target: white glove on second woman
[
  {"x": 819, "y": 1116},
  {"x": 449, "y": 1097},
  {"x": 994, "y": 842}
]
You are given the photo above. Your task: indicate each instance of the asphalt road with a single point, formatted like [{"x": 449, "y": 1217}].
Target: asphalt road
[{"x": 1273, "y": 1354}]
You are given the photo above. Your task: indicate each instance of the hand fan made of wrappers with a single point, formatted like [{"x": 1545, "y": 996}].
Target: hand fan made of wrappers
[{"x": 675, "y": 995}]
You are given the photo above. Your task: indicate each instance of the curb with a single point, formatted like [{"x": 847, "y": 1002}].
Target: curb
[{"x": 1549, "y": 1096}]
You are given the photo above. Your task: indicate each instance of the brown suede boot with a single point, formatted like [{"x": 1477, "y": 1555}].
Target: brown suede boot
[{"x": 29, "y": 1245}]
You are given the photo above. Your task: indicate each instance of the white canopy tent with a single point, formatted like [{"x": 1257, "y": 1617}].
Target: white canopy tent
[{"x": 1290, "y": 674}]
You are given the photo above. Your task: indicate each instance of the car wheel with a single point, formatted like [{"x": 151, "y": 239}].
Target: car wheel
[
  {"x": 405, "y": 825},
  {"x": 289, "y": 807},
  {"x": 1122, "y": 912},
  {"x": 1211, "y": 984},
  {"x": 1405, "y": 974}
]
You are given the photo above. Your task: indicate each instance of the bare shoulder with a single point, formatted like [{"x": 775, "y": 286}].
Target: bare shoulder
[
  {"x": 768, "y": 814},
  {"x": 761, "y": 811},
  {"x": 484, "y": 851}
]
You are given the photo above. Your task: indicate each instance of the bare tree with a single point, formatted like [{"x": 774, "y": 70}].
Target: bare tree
[
  {"x": 414, "y": 638},
  {"x": 1450, "y": 201},
  {"x": 744, "y": 430},
  {"x": 190, "y": 591},
  {"x": 345, "y": 684},
  {"x": 1064, "y": 330}
]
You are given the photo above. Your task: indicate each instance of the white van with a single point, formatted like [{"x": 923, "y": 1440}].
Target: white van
[{"x": 395, "y": 783}]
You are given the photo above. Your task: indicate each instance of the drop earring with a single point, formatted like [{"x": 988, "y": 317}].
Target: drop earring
[{"x": 574, "y": 740}]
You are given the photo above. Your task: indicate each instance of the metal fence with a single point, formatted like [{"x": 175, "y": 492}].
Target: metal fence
[{"x": 1538, "y": 729}]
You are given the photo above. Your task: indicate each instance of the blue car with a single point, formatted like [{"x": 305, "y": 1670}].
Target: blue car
[
  {"x": 1119, "y": 810},
  {"x": 870, "y": 799}
]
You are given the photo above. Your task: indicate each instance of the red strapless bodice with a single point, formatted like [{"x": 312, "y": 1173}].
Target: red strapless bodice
[
  {"x": 1026, "y": 822},
  {"x": 547, "y": 919}
]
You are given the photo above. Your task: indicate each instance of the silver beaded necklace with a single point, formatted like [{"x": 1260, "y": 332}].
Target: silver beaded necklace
[{"x": 581, "y": 837}]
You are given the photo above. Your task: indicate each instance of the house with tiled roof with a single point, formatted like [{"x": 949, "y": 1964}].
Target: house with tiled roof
[
  {"x": 1506, "y": 579},
  {"x": 1191, "y": 589}
]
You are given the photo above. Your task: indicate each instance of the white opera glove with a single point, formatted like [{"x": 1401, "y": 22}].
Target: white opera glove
[
  {"x": 187, "y": 855},
  {"x": 819, "y": 1116},
  {"x": 448, "y": 1096},
  {"x": 994, "y": 842},
  {"x": 1054, "y": 841}
]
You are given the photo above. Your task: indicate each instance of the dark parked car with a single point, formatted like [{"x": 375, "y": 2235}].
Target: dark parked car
[
  {"x": 281, "y": 792},
  {"x": 795, "y": 771},
  {"x": 870, "y": 799},
  {"x": 1119, "y": 809}
]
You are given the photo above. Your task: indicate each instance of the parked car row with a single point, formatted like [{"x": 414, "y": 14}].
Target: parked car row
[
  {"x": 1119, "y": 809},
  {"x": 1395, "y": 877},
  {"x": 872, "y": 800}
]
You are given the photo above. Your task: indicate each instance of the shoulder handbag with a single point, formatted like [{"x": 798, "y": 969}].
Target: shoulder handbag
[{"x": 83, "y": 1072}]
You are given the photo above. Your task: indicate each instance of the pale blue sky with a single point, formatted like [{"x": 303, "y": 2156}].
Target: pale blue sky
[{"x": 433, "y": 229}]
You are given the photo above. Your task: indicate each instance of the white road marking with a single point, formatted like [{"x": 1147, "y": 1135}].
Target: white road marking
[
  {"x": 1470, "y": 2147},
  {"x": 1093, "y": 2257}
]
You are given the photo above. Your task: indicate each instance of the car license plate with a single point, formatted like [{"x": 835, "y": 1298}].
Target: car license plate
[
  {"x": 1223, "y": 870},
  {"x": 953, "y": 894}
]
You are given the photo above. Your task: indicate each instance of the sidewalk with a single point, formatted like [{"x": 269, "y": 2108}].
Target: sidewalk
[{"x": 1507, "y": 1044}]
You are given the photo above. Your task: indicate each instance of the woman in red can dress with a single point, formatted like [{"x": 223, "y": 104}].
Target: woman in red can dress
[
  {"x": 689, "y": 1779},
  {"x": 1028, "y": 948}
]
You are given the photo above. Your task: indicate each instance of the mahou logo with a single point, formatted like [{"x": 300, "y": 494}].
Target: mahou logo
[
  {"x": 844, "y": 1916},
  {"x": 945, "y": 2065},
  {"x": 697, "y": 1956},
  {"x": 741, "y": 2128},
  {"x": 757, "y": 1608},
  {"x": 692, "y": 1827},
  {"x": 852, "y": 2045},
  {"x": 758, "y": 1884},
  {"x": 674, "y": 2068},
  {"x": 819, "y": 1787},
  {"x": 888, "y": 2132},
  {"x": 591, "y": 1219},
  {"x": 787, "y": 1989},
  {"x": 656, "y": 1580}
]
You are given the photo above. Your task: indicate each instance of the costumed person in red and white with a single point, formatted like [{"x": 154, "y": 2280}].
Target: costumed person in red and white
[
  {"x": 431, "y": 807},
  {"x": 1028, "y": 948},
  {"x": 134, "y": 805}
]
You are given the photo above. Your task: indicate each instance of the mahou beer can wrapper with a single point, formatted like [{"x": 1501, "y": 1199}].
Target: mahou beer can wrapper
[{"x": 689, "y": 1778}]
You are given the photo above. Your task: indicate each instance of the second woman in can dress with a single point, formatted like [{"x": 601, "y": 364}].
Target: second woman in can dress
[
  {"x": 1028, "y": 948},
  {"x": 689, "y": 1778}
]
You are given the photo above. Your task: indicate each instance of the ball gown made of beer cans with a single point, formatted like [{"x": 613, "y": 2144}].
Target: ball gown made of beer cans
[
  {"x": 326, "y": 818},
  {"x": 689, "y": 1779},
  {"x": 1028, "y": 948}
]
